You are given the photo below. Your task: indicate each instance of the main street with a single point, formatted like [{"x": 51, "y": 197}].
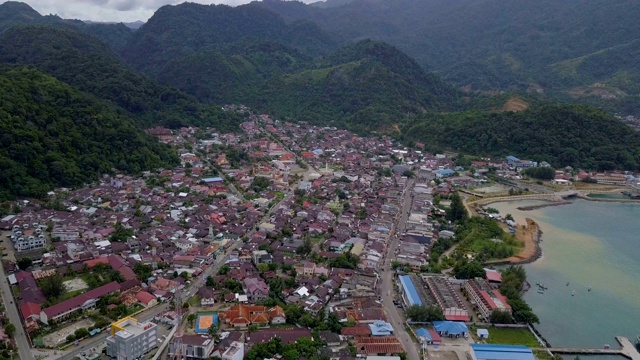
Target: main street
[
  {"x": 386, "y": 286},
  {"x": 14, "y": 317}
]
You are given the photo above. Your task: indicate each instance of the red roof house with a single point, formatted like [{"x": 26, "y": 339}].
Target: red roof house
[{"x": 30, "y": 310}]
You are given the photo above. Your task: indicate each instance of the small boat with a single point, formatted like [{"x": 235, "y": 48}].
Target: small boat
[
  {"x": 606, "y": 346},
  {"x": 589, "y": 288},
  {"x": 567, "y": 283},
  {"x": 573, "y": 293},
  {"x": 540, "y": 292}
]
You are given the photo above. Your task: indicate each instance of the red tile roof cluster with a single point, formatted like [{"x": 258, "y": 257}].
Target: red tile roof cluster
[
  {"x": 379, "y": 345},
  {"x": 242, "y": 315},
  {"x": 287, "y": 336},
  {"x": 358, "y": 330}
]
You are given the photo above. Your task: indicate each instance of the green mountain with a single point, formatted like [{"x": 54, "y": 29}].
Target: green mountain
[
  {"x": 14, "y": 13},
  {"x": 492, "y": 45},
  {"x": 178, "y": 32},
  {"x": 91, "y": 66},
  {"x": 575, "y": 135},
  {"x": 53, "y": 135},
  {"x": 234, "y": 73},
  {"x": 250, "y": 55},
  {"x": 366, "y": 86}
]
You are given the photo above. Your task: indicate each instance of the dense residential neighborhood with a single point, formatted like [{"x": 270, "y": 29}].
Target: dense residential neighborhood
[{"x": 280, "y": 232}]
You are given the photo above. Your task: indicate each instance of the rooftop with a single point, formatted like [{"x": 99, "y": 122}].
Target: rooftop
[
  {"x": 410, "y": 290},
  {"x": 501, "y": 352}
]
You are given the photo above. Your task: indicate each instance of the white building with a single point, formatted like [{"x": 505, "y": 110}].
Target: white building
[
  {"x": 191, "y": 347},
  {"x": 234, "y": 352},
  {"x": 65, "y": 233},
  {"x": 30, "y": 242},
  {"x": 131, "y": 339}
]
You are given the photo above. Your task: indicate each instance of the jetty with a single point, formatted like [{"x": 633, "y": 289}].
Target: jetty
[{"x": 628, "y": 350}]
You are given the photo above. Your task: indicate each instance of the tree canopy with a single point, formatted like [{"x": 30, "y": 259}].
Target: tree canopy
[{"x": 52, "y": 135}]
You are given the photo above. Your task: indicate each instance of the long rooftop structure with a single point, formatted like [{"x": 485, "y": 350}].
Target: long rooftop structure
[
  {"x": 446, "y": 298},
  {"x": 410, "y": 294}
]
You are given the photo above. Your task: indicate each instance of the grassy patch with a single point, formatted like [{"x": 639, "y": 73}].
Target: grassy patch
[
  {"x": 411, "y": 333},
  {"x": 317, "y": 239},
  {"x": 68, "y": 295},
  {"x": 195, "y": 300},
  {"x": 511, "y": 336},
  {"x": 542, "y": 355}
]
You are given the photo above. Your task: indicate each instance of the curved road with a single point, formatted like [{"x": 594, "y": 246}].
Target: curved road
[{"x": 386, "y": 286}]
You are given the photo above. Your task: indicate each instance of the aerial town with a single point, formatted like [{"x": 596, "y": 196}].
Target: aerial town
[{"x": 282, "y": 241}]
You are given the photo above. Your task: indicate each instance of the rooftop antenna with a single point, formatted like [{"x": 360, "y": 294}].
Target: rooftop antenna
[{"x": 154, "y": 264}]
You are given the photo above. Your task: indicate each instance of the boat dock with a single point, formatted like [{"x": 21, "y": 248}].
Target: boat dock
[{"x": 628, "y": 350}]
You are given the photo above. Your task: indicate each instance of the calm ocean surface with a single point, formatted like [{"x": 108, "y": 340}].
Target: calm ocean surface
[{"x": 585, "y": 244}]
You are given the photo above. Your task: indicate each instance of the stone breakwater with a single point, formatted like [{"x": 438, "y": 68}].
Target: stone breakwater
[{"x": 536, "y": 207}]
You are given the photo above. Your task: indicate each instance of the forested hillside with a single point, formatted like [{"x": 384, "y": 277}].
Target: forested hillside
[
  {"x": 52, "y": 135},
  {"x": 366, "y": 86},
  {"x": 579, "y": 136},
  {"x": 250, "y": 55},
  {"x": 89, "y": 65},
  {"x": 176, "y": 32},
  {"x": 490, "y": 44}
]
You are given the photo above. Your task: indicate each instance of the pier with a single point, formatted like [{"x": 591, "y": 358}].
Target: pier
[{"x": 628, "y": 350}]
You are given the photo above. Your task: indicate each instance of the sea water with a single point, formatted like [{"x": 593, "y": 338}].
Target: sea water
[{"x": 585, "y": 244}]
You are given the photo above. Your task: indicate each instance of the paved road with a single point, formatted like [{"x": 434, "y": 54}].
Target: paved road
[
  {"x": 386, "y": 286},
  {"x": 14, "y": 317}
]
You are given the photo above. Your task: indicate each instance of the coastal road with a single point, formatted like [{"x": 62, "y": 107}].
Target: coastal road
[
  {"x": 24, "y": 350},
  {"x": 386, "y": 286}
]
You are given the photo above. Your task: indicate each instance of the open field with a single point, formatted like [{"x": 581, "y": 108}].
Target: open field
[
  {"x": 443, "y": 355},
  {"x": 512, "y": 336},
  {"x": 492, "y": 189},
  {"x": 75, "y": 284},
  {"x": 60, "y": 336}
]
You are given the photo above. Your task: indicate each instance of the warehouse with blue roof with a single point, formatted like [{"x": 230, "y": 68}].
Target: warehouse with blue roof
[
  {"x": 501, "y": 352},
  {"x": 410, "y": 294}
]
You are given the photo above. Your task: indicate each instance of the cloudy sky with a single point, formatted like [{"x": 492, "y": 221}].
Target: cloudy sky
[{"x": 112, "y": 10}]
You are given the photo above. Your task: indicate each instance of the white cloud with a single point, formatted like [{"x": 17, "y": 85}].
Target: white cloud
[{"x": 113, "y": 10}]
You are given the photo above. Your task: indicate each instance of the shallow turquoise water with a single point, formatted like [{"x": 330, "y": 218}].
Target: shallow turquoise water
[{"x": 585, "y": 244}]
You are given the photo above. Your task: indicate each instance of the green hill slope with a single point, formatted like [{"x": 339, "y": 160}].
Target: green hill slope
[
  {"x": 14, "y": 13},
  {"x": 488, "y": 44},
  {"x": 177, "y": 32},
  {"x": 366, "y": 86},
  {"x": 579, "y": 136},
  {"x": 233, "y": 73},
  {"x": 53, "y": 135},
  {"x": 89, "y": 65}
]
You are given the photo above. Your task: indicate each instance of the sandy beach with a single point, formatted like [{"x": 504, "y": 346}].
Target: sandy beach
[{"x": 530, "y": 235}]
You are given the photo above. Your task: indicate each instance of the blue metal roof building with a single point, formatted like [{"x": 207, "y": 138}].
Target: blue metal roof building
[
  {"x": 381, "y": 328},
  {"x": 501, "y": 352},
  {"x": 422, "y": 332},
  {"x": 212, "y": 179},
  {"x": 411, "y": 295},
  {"x": 451, "y": 328}
]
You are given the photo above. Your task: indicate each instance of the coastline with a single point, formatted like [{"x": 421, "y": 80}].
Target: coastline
[
  {"x": 532, "y": 238},
  {"x": 554, "y": 305},
  {"x": 531, "y": 235}
]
